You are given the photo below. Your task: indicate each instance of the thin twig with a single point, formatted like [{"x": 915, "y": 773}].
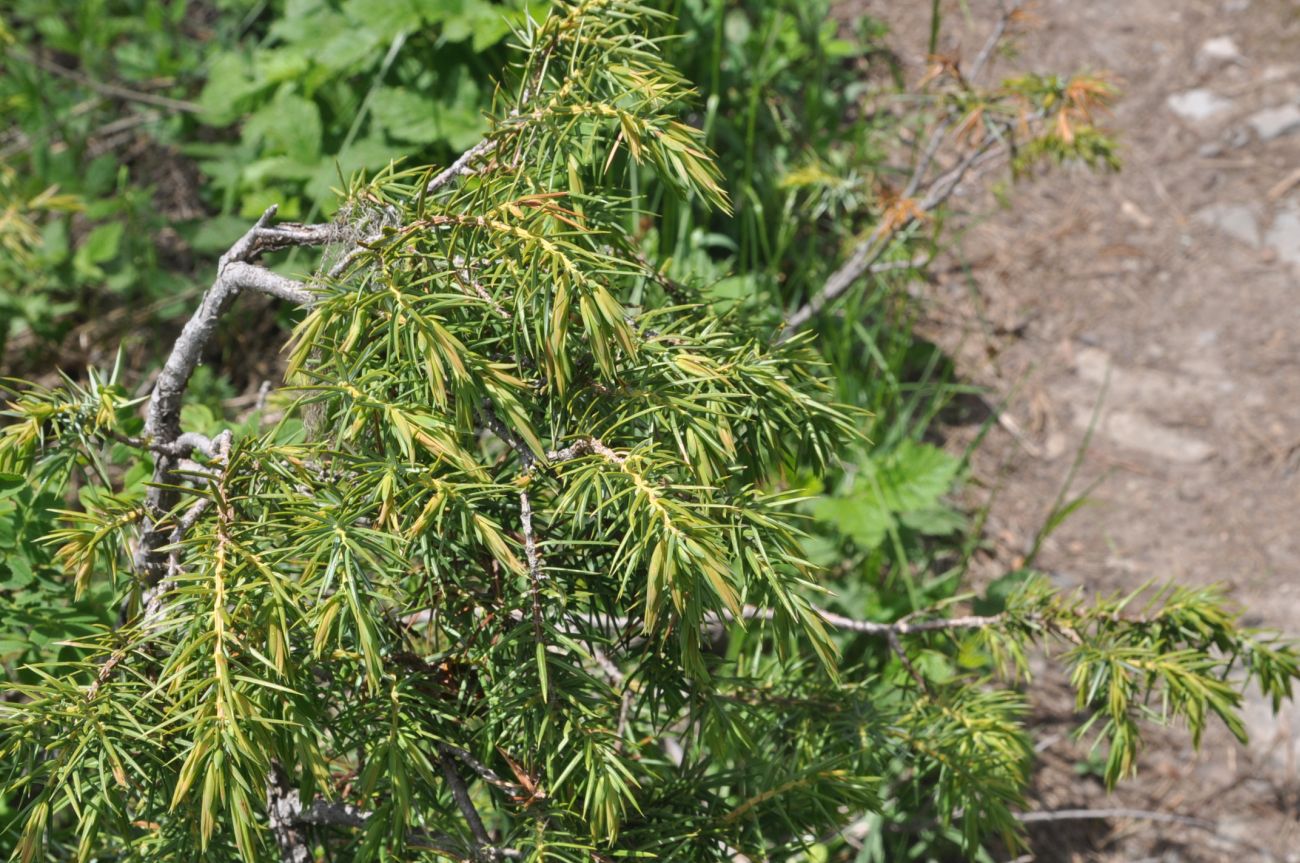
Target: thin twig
[
  {"x": 894, "y": 266},
  {"x": 927, "y": 156},
  {"x": 945, "y": 624},
  {"x": 461, "y": 165},
  {"x": 535, "y": 574},
  {"x": 487, "y": 774},
  {"x": 114, "y": 90},
  {"x": 871, "y": 627},
  {"x": 1100, "y": 814},
  {"x": 466, "y": 278},
  {"x": 1007, "y": 12},
  {"x": 584, "y": 446},
  {"x": 897, "y": 647},
  {"x": 624, "y": 711},
  {"x": 482, "y": 841},
  {"x": 105, "y": 672},
  {"x": 879, "y": 241},
  {"x": 512, "y": 440},
  {"x": 608, "y": 623}
]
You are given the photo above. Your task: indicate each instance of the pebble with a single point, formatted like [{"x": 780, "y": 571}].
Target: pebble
[
  {"x": 1197, "y": 105},
  {"x": 1275, "y": 122},
  {"x": 1284, "y": 235},
  {"x": 1135, "y": 214},
  {"x": 1236, "y": 220},
  {"x": 1232, "y": 138},
  {"x": 1274, "y": 739},
  {"x": 1134, "y": 431},
  {"x": 1216, "y": 52}
]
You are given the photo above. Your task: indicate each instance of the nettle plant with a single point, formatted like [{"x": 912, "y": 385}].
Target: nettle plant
[{"x": 519, "y": 571}]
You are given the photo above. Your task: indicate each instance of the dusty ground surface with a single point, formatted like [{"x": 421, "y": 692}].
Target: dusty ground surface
[{"x": 1169, "y": 295}]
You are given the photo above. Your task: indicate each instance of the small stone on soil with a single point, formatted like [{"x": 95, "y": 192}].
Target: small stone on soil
[
  {"x": 1273, "y": 123},
  {"x": 1236, "y": 220},
  {"x": 1284, "y": 235},
  {"x": 1214, "y": 52},
  {"x": 1197, "y": 105}
]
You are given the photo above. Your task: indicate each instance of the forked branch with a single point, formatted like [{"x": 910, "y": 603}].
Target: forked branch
[
  {"x": 866, "y": 255},
  {"x": 236, "y": 273}
]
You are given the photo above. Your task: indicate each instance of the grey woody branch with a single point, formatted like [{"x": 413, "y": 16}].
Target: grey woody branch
[
  {"x": 890, "y": 631},
  {"x": 483, "y": 847},
  {"x": 236, "y": 273},
  {"x": 1007, "y": 13},
  {"x": 536, "y": 574},
  {"x": 866, "y": 256},
  {"x": 487, "y": 774},
  {"x": 869, "y": 251},
  {"x": 909, "y": 627},
  {"x": 507, "y": 435},
  {"x": 484, "y": 148},
  {"x": 288, "y": 816},
  {"x": 904, "y": 627},
  {"x": 283, "y": 810},
  {"x": 462, "y": 165},
  {"x": 584, "y": 446}
]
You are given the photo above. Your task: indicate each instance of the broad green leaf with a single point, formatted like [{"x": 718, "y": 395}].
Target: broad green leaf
[
  {"x": 101, "y": 244},
  {"x": 916, "y": 475},
  {"x": 289, "y": 125},
  {"x": 230, "y": 81},
  {"x": 934, "y": 521},
  {"x": 863, "y": 519},
  {"x": 407, "y": 115},
  {"x": 385, "y": 18}
]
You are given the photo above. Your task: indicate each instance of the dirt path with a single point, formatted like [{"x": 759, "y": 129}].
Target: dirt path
[{"x": 1170, "y": 295}]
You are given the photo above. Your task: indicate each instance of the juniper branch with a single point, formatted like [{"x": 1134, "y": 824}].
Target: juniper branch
[
  {"x": 868, "y": 252},
  {"x": 1006, "y": 14},
  {"x": 235, "y": 274},
  {"x": 878, "y": 242}
]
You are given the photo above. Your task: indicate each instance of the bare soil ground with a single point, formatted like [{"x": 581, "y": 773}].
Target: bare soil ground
[{"x": 1166, "y": 298}]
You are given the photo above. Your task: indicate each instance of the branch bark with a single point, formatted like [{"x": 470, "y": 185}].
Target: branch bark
[
  {"x": 235, "y": 273},
  {"x": 283, "y": 808},
  {"x": 461, "y": 165},
  {"x": 287, "y": 815},
  {"x": 111, "y": 90},
  {"x": 482, "y": 841}
]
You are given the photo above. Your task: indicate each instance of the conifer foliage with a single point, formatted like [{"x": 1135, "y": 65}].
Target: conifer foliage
[{"x": 527, "y": 582}]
